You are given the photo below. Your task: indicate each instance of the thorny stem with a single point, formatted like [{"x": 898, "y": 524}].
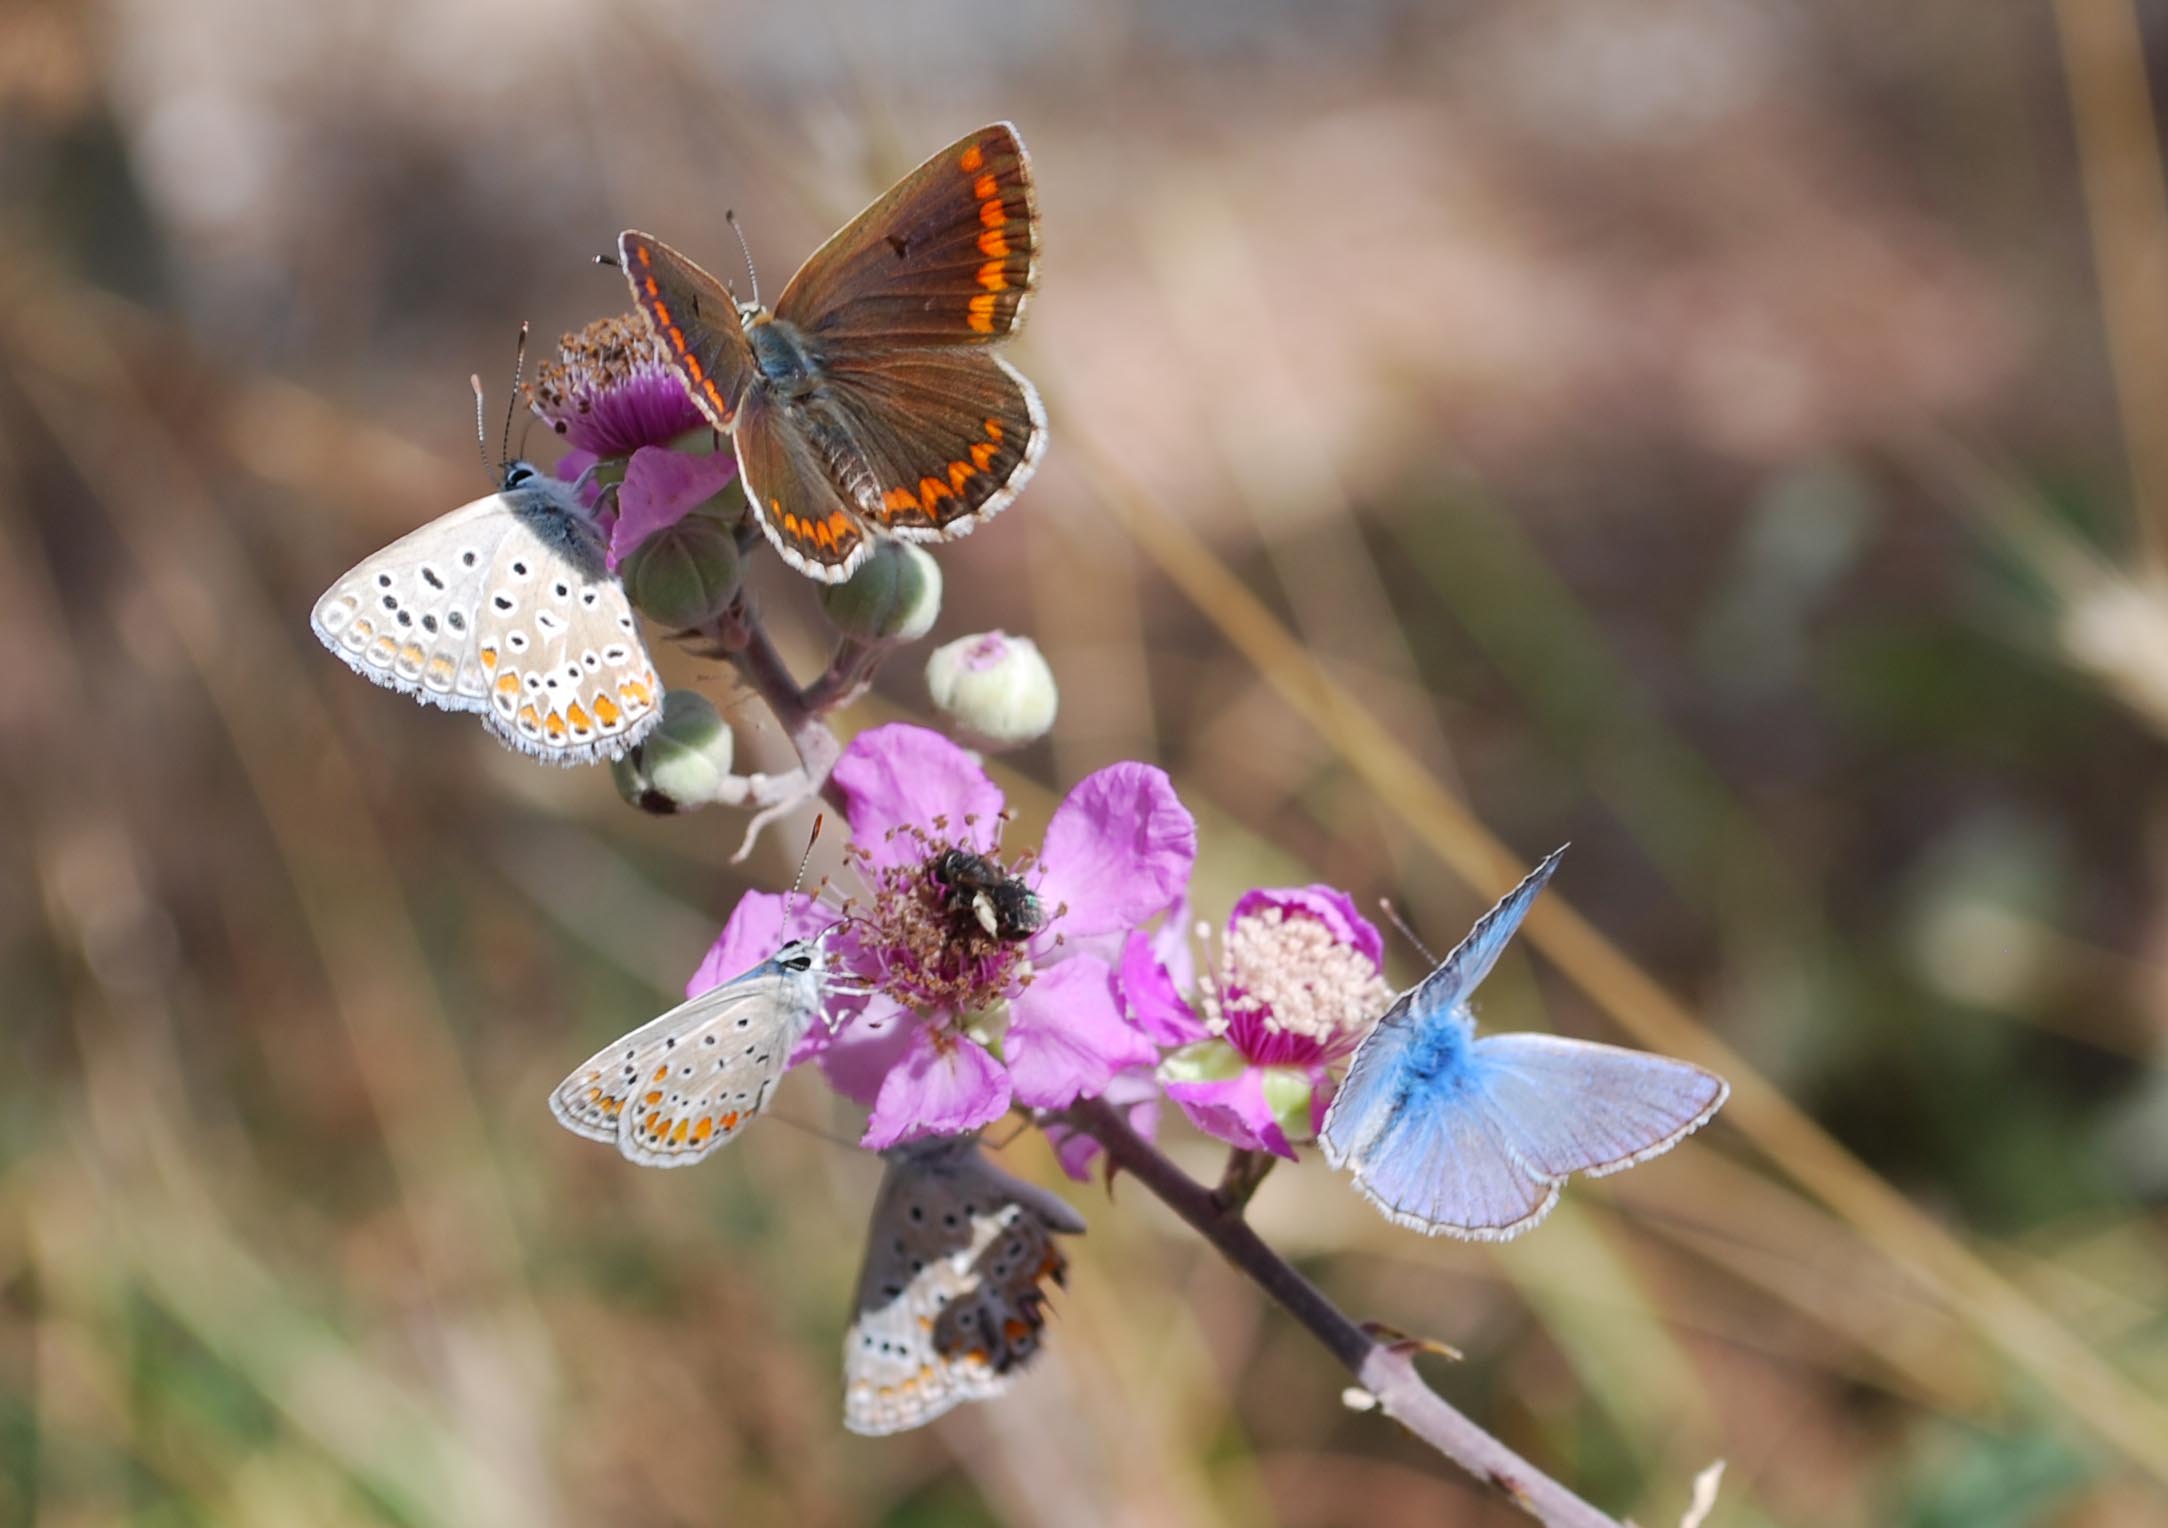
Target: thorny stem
[{"x": 1386, "y": 1371}]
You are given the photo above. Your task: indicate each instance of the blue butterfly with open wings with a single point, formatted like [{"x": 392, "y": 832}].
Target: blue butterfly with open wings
[{"x": 1472, "y": 1137}]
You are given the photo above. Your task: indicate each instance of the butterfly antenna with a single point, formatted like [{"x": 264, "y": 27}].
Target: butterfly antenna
[
  {"x": 731, "y": 217},
  {"x": 1392, "y": 912},
  {"x": 804, "y": 859},
  {"x": 519, "y": 375},
  {"x": 481, "y": 426}
]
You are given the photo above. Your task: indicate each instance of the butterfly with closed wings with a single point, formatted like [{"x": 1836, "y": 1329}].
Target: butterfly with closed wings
[
  {"x": 951, "y": 1299},
  {"x": 678, "y": 1087},
  {"x": 505, "y": 607},
  {"x": 1470, "y": 1137},
  {"x": 867, "y": 403}
]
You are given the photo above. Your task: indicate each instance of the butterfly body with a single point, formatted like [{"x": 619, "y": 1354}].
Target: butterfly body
[
  {"x": 1472, "y": 1136},
  {"x": 678, "y": 1087},
  {"x": 866, "y": 403},
  {"x": 951, "y": 1297},
  {"x": 504, "y": 607}
]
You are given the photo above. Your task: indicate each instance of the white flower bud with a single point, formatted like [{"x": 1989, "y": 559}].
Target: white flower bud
[
  {"x": 895, "y": 596},
  {"x": 996, "y": 690},
  {"x": 683, "y": 764}
]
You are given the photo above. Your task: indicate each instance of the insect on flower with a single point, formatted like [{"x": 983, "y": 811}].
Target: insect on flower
[{"x": 981, "y": 892}]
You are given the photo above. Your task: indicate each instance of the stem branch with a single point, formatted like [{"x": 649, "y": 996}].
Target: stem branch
[{"x": 1386, "y": 1371}]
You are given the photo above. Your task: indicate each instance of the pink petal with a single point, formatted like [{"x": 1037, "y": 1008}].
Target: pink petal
[
  {"x": 1149, "y": 994},
  {"x": 662, "y": 487},
  {"x": 1328, "y": 905},
  {"x": 943, "y": 1086},
  {"x": 900, "y": 776},
  {"x": 1066, "y": 1038},
  {"x": 1136, "y": 1095},
  {"x": 754, "y": 933},
  {"x": 858, "y": 1056},
  {"x": 1234, "y": 1110},
  {"x": 1118, "y": 850}
]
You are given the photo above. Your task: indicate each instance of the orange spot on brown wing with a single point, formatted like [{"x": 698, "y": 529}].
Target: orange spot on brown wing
[
  {"x": 994, "y": 244},
  {"x": 971, "y": 159},
  {"x": 991, "y": 214},
  {"x": 692, "y": 364},
  {"x": 839, "y": 526},
  {"x": 1013, "y": 1329},
  {"x": 992, "y": 278},
  {"x": 982, "y": 313},
  {"x": 647, "y": 257},
  {"x": 677, "y": 339},
  {"x": 985, "y": 186},
  {"x": 993, "y": 429},
  {"x": 983, "y": 455},
  {"x": 899, "y": 498},
  {"x": 662, "y": 315},
  {"x": 715, "y": 398},
  {"x": 958, "y": 472},
  {"x": 930, "y": 489},
  {"x": 652, "y": 289}
]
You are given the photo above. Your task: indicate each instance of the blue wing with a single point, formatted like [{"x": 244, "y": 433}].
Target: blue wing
[
  {"x": 1452, "y": 984},
  {"x": 1574, "y": 1106},
  {"x": 1425, "y": 1033}
]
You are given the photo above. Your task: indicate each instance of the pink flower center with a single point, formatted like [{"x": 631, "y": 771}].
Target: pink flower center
[
  {"x": 1284, "y": 981},
  {"x": 927, "y": 940}
]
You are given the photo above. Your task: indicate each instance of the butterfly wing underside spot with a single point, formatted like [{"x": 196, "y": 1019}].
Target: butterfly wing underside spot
[
  {"x": 491, "y": 609},
  {"x": 696, "y": 321},
  {"x": 951, "y": 1299},
  {"x": 949, "y": 255},
  {"x": 681, "y": 1085}
]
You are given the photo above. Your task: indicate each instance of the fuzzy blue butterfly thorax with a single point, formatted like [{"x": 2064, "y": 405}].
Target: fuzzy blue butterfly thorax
[
  {"x": 1438, "y": 1053},
  {"x": 779, "y": 350}
]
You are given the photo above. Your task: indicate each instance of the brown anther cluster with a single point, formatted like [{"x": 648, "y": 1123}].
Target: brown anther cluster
[
  {"x": 608, "y": 353},
  {"x": 930, "y": 958}
]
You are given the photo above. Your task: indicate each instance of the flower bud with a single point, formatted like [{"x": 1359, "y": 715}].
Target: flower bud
[
  {"x": 996, "y": 690},
  {"x": 681, "y": 765},
  {"x": 685, "y": 574},
  {"x": 895, "y": 596}
]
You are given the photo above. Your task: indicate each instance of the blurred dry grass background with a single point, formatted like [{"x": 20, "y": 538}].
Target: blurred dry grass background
[{"x": 1727, "y": 436}]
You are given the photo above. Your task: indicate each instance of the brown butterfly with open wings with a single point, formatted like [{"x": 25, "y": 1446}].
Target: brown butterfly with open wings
[{"x": 868, "y": 403}]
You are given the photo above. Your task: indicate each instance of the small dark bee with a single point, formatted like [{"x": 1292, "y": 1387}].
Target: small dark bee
[{"x": 993, "y": 899}]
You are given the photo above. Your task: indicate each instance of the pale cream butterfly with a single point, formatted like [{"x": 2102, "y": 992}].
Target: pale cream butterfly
[
  {"x": 679, "y": 1086},
  {"x": 952, "y": 1297},
  {"x": 507, "y": 607}
]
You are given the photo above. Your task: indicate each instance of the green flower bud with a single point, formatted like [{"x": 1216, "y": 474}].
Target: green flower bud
[
  {"x": 895, "y": 596},
  {"x": 685, "y": 575},
  {"x": 995, "y": 690},
  {"x": 683, "y": 764}
]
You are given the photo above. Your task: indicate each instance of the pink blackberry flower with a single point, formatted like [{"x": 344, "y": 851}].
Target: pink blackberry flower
[
  {"x": 971, "y": 1005},
  {"x": 610, "y": 392},
  {"x": 1299, "y": 982}
]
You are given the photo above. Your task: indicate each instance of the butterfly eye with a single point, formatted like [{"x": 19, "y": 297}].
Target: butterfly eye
[{"x": 518, "y": 473}]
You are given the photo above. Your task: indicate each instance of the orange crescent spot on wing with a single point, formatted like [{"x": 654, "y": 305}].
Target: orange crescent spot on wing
[
  {"x": 958, "y": 472},
  {"x": 692, "y": 365},
  {"x": 578, "y": 718},
  {"x": 662, "y": 316},
  {"x": 994, "y": 244},
  {"x": 971, "y": 159},
  {"x": 982, "y": 313},
  {"x": 728, "y": 1122},
  {"x": 991, "y": 214},
  {"x": 991, "y": 278},
  {"x": 652, "y": 289},
  {"x": 985, "y": 187},
  {"x": 554, "y": 725},
  {"x": 930, "y": 489},
  {"x": 983, "y": 455},
  {"x": 703, "y": 1130},
  {"x": 508, "y": 683},
  {"x": 606, "y": 711},
  {"x": 530, "y": 718},
  {"x": 899, "y": 498},
  {"x": 993, "y": 430},
  {"x": 647, "y": 257},
  {"x": 839, "y": 525}
]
